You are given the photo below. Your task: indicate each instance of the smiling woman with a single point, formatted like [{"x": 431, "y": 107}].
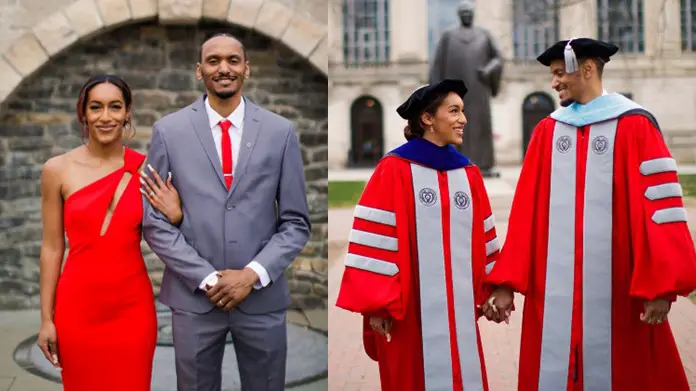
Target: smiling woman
[
  {"x": 90, "y": 195},
  {"x": 105, "y": 104},
  {"x": 423, "y": 224}
]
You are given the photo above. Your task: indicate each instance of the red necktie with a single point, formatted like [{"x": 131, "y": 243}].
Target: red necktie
[{"x": 226, "y": 152}]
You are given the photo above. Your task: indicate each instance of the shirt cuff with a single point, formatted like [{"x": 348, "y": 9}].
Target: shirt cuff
[
  {"x": 211, "y": 280},
  {"x": 264, "y": 279}
]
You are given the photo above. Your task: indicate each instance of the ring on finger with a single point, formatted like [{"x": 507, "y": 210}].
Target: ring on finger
[{"x": 152, "y": 193}]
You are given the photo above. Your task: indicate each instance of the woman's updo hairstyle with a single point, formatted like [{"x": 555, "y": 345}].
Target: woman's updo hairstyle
[{"x": 426, "y": 99}]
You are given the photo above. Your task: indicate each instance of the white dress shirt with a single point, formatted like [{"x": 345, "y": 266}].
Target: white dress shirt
[{"x": 237, "y": 119}]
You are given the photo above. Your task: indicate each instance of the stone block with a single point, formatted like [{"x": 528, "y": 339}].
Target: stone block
[
  {"x": 216, "y": 9},
  {"x": 9, "y": 79},
  {"x": 26, "y": 55},
  {"x": 114, "y": 12},
  {"x": 320, "y": 154},
  {"x": 180, "y": 11},
  {"x": 17, "y": 130},
  {"x": 320, "y": 56},
  {"x": 320, "y": 266},
  {"x": 273, "y": 19},
  {"x": 152, "y": 99},
  {"x": 176, "y": 81},
  {"x": 303, "y": 34},
  {"x": 84, "y": 17},
  {"x": 55, "y": 33},
  {"x": 244, "y": 12},
  {"x": 320, "y": 290},
  {"x": 300, "y": 287},
  {"x": 143, "y": 9}
]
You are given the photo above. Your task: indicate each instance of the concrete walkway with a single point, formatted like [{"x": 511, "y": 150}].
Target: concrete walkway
[
  {"x": 16, "y": 326},
  {"x": 351, "y": 370}
]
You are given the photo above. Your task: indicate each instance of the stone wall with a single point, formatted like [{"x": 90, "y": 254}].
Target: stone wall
[{"x": 38, "y": 121}]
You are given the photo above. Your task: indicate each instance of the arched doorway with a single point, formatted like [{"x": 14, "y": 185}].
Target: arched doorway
[
  {"x": 366, "y": 132},
  {"x": 536, "y": 106}
]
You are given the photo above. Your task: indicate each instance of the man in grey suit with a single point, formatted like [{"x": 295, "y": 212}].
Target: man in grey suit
[{"x": 239, "y": 173}]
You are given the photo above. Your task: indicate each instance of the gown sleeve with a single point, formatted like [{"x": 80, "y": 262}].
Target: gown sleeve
[
  {"x": 486, "y": 237},
  {"x": 663, "y": 256},
  {"x": 377, "y": 269}
]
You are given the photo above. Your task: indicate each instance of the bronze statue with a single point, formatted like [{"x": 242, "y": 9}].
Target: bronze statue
[{"x": 469, "y": 53}]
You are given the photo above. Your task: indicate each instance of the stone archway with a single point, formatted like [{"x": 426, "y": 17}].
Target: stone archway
[
  {"x": 84, "y": 19},
  {"x": 37, "y": 121}
]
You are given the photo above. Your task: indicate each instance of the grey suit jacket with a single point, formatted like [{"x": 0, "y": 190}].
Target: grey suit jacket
[{"x": 263, "y": 217}]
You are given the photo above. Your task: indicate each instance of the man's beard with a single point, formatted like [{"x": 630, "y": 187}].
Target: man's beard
[{"x": 225, "y": 94}]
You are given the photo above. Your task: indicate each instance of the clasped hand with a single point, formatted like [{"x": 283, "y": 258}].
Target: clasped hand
[
  {"x": 232, "y": 288},
  {"x": 498, "y": 307}
]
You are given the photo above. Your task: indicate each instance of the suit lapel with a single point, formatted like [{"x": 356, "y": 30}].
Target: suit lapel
[
  {"x": 252, "y": 123},
  {"x": 199, "y": 119}
]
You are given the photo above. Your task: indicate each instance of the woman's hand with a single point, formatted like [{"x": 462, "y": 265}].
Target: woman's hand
[
  {"x": 381, "y": 326},
  {"x": 48, "y": 342},
  {"x": 163, "y": 197}
]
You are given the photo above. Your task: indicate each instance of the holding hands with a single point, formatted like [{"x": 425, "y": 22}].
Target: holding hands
[{"x": 499, "y": 305}]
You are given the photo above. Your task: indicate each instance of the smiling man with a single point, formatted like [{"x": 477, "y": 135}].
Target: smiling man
[
  {"x": 597, "y": 242},
  {"x": 239, "y": 173}
]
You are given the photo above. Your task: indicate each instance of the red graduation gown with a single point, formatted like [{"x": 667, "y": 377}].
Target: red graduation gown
[
  {"x": 419, "y": 258},
  {"x": 597, "y": 227}
]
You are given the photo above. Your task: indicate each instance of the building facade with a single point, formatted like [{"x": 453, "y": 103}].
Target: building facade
[
  {"x": 48, "y": 49},
  {"x": 379, "y": 52}
]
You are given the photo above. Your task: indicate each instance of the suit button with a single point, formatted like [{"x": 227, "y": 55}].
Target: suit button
[{"x": 229, "y": 207}]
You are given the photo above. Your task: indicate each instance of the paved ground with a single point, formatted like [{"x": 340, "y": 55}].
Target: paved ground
[
  {"x": 351, "y": 370},
  {"x": 16, "y": 326}
]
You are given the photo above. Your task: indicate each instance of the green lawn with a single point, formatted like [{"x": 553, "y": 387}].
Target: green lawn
[
  {"x": 688, "y": 182},
  {"x": 345, "y": 194}
]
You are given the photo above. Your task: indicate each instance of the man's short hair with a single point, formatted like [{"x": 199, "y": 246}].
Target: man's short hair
[
  {"x": 599, "y": 63},
  {"x": 221, "y": 34}
]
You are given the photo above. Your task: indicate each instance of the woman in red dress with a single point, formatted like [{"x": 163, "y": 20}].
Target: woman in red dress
[{"x": 98, "y": 322}]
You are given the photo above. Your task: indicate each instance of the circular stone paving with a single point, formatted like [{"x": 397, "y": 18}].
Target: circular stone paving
[{"x": 307, "y": 358}]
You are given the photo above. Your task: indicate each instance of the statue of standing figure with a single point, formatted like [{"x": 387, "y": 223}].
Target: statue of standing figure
[{"x": 469, "y": 53}]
